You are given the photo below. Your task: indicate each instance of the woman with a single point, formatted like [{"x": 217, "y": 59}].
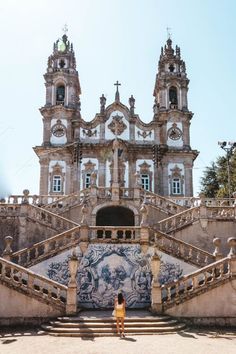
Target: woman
[{"x": 120, "y": 314}]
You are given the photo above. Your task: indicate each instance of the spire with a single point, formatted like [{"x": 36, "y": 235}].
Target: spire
[{"x": 117, "y": 95}]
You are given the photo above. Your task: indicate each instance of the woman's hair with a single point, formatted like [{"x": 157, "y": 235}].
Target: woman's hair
[{"x": 120, "y": 298}]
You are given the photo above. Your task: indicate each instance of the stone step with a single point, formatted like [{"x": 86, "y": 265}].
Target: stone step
[
  {"x": 82, "y": 319},
  {"x": 112, "y": 323},
  {"x": 84, "y": 332},
  {"x": 101, "y": 324}
]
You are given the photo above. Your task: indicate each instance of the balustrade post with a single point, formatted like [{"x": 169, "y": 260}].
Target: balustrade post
[
  {"x": 94, "y": 188},
  {"x": 137, "y": 186},
  {"x": 217, "y": 254},
  {"x": 156, "y": 301},
  {"x": 25, "y": 199},
  {"x": 232, "y": 254},
  {"x": 71, "y": 298},
  {"x": 7, "y": 253},
  {"x": 203, "y": 211}
]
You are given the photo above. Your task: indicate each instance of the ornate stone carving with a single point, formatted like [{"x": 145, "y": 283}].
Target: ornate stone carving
[
  {"x": 89, "y": 133},
  {"x": 144, "y": 134},
  {"x": 117, "y": 126}
]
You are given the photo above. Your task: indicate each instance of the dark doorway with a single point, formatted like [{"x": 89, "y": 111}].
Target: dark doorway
[{"x": 115, "y": 216}]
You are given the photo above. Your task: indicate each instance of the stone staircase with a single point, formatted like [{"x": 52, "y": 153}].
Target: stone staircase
[{"x": 100, "y": 324}]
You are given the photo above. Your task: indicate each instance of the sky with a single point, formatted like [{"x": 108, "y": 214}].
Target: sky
[{"x": 114, "y": 40}]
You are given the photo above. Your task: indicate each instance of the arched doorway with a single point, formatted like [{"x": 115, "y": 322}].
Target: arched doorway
[{"x": 115, "y": 216}]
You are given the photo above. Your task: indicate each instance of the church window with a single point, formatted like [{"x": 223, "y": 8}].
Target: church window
[
  {"x": 145, "y": 181},
  {"x": 87, "y": 180},
  {"x": 176, "y": 186},
  {"x": 171, "y": 68},
  {"x": 62, "y": 63},
  {"x": 57, "y": 185},
  {"x": 173, "y": 96},
  {"x": 60, "y": 94}
]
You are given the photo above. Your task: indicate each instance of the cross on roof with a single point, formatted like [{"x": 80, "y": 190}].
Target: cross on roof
[
  {"x": 65, "y": 28},
  {"x": 117, "y": 96},
  {"x": 117, "y": 84}
]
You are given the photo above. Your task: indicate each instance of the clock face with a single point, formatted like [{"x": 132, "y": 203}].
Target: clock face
[
  {"x": 58, "y": 130},
  {"x": 174, "y": 133}
]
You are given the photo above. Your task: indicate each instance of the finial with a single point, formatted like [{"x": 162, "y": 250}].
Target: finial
[
  {"x": 117, "y": 96},
  {"x": 65, "y": 29},
  {"x": 168, "y": 29},
  {"x": 102, "y": 103}
]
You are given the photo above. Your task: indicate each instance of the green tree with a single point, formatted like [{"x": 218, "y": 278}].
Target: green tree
[{"x": 215, "y": 181}]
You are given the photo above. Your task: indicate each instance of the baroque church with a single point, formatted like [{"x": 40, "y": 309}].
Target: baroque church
[{"x": 116, "y": 212}]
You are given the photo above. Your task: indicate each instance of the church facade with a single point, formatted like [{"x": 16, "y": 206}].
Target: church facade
[{"x": 75, "y": 151}]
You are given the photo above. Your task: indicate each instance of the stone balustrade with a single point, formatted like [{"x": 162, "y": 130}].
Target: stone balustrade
[
  {"x": 191, "y": 202},
  {"x": 32, "y": 199},
  {"x": 182, "y": 250},
  {"x": 116, "y": 234},
  {"x": 10, "y": 209},
  {"x": 104, "y": 192},
  {"x": 197, "y": 282},
  {"x": 179, "y": 220},
  {"x": 32, "y": 284},
  {"x": 161, "y": 202},
  {"x": 55, "y": 221},
  {"x": 48, "y": 248},
  {"x": 126, "y": 193},
  {"x": 66, "y": 201},
  {"x": 221, "y": 212}
]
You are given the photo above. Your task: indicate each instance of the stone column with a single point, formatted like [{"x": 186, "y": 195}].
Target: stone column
[
  {"x": 84, "y": 230},
  {"x": 137, "y": 186},
  {"x": 144, "y": 232},
  {"x": 71, "y": 299},
  {"x": 7, "y": 253},
  {"x": 156, "y": 301},
  {"x": 115, "y": 183}
]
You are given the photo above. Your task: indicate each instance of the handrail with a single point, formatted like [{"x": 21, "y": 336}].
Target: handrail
[
  {"x": 44, "y": 289},
  {"x": 182, "y": 250},
  {"x": 161, "y": 202},
  {"x": 179, "y": 220},
  {"x": 192, "y": 284},
  {"x": 50, "y": 247}
]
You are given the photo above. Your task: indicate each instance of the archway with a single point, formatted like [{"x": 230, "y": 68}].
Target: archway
[{"x": 115, "y": 216}]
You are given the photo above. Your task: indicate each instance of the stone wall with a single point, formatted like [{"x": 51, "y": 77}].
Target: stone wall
[
  {"x": 219, "y": 302},
  {"x": 16, "y": 308},
  {"x": 202, "y": 235}
]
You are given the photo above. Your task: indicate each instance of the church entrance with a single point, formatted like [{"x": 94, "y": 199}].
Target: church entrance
[{"x": 115, "y": 216}]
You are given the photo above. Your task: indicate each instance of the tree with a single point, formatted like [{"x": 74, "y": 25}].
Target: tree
[{"x": 215, "y": 180}]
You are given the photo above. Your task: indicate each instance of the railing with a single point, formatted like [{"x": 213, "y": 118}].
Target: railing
[
  {"x": 32, "y": 199},
  {"x": 179, "y": 220},
  {"x": 68, "y": 201},
  {"x": 50, "y": 219},
  {"x": 116, "y": 234},
  {"x": 10, "y": 209},
  {"x": 192, "y": 284},
  {"x": 182, "y": 250},
  {"x": 33, "y": 284},
  {"x": 126, "y": 192},
  {"x": 104, "y": 192},
  {"x": 222, "y": 212},
  {"x": 197, "y": 201},
  {"x": 161, "y": 202},
  {"x": 41, "y": 251}
]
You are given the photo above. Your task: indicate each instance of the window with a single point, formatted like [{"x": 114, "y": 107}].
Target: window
[
  {"x": 60, "y": 94},
  {"x": 57, "y": 186},
  {"x": 87, "y": 180},
  {"x": 173, "y": 95},
  {"x": 176, "y": 186},
  {"x": 145, "y": 181}
]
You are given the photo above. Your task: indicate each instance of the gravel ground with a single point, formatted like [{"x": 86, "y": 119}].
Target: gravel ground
[{"x": 197, "y": 341}]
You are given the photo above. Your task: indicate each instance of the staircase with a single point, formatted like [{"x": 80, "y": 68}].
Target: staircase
[{"x": 101, "y": 324}]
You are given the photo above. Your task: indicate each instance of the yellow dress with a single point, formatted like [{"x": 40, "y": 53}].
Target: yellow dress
[{"x": 120, "y": 310}]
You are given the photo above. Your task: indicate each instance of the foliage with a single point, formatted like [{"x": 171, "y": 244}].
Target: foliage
[{"x": 215, "y": 183}]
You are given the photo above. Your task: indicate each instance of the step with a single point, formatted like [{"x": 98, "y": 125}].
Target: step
[
  {"x": 105, "y": 331},
  {"x": 79, "y": 319}
]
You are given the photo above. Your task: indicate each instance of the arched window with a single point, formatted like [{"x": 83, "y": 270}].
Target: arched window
[
  {"x": 173, "y": 96},
  {"x": 60, "y": 96}
]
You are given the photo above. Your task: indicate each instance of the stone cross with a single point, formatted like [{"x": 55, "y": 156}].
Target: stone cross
[{"x": 117, "y": 96}]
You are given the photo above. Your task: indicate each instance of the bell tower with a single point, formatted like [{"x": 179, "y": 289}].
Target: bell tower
[
  {"x": 173, "y": 118},
  {"x": 58, "y": 154}
]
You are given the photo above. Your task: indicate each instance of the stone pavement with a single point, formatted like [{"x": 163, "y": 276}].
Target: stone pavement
[{"x": 194, "y": 341}]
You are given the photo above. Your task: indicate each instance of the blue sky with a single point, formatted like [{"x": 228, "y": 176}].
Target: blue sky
[{"x": 114, "y": 40}]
